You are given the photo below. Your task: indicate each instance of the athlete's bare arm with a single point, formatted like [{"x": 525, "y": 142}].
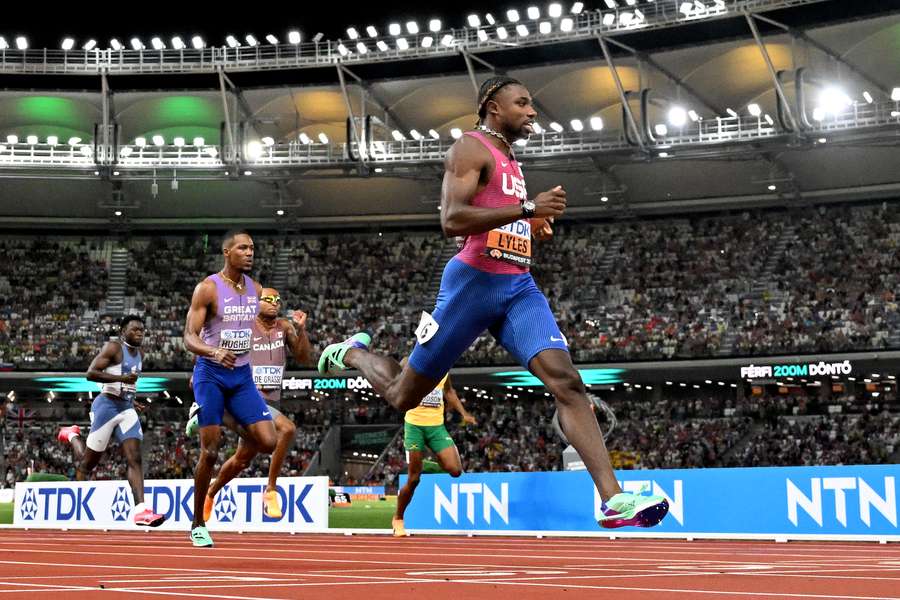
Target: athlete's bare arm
[
  {"x": 110, "y": 354},
  {"x": 451, "y": 399},
  {"x": 204, "y": 296},
  {"x": 296, "y": 339},
  {"x": 467, "y": 165}
]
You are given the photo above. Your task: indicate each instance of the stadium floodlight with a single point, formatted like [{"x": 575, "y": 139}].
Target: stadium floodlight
[
  {"x": 126, "y": 151},
  {"x": 596, "y": 123},
  {"x": 611, "y": 4},
  {"x": 522, "y": 30},
  {"x": 868, "y": 97},
  {"x": 427, "y": 41},
  {"x": 232, "y": 41},
  {"x": 818, "y": 114},
  {"x": 394, "y": 29},
  {"x": 178, "y": 141},
  {"x": 556, "y": 127},
  {"x": 198, "y": 141},
  {"x": 686, "y": 8},
  {"x": 577, "y": 8},
  {"x": 412, "y": 27},
  {"x": 87, "y": 150},
  {"x": 537, "y": 128},
  {"x": 382, "y": 45},
  {"x": 545, "y": 27},
  {"x": 294, "y": 37},
  {"x": 136, "y": 44},
  {"x": 434, "y": 134},
  {"x": 89, "y": 45},
  {"x": 52, "y": 140},
  {"x": 699, "y": 6},
  {"x": 271, "y": 39},
  {"x": 279, "y": 212},
  {"x": 626, "y": 18},
  {"x": 74, "y": 141},
  {"x": 415, "y": 135},
  {"x": 474, "y": 21},
  {"x": 609, "y": 19},
  {"x": 534, "y": 13},
  {"x": 12, "y": 139},
  {"x": 770, "y": 120},
  {"x": 447, "y": 40},
  {"x": 731, "y": 112},
  {"x": 268, "y": 141},
  {"x": 118, "y": 213},
  {"x": 22, "y": 42},
  {"x": 630, "y": 2},
  {"x": 3, "y": 43},
  {"x": 502, "y": 33},
  {"x": 157, "y": 43},
  {"x": 772, "y": 187},
  {"x": 251, "y": 39},
  {"x": 305, "y": 140},
  {"x": 68, "y": 44},
  {"x": 361, "y": 48},
  {"x": 677, "y": 116},
  {"x": 323, "y": 138},
  {"x": 371, "y": 31},
  {"x": 138, "y": 141},
  {"x": 664, "y": 155},
  {"x": 198, "y": 43},
  {"x": 352, "y": 33},
  {"x": 661, "y": 129},
  {"x": 402, "y": 44},
  {"x": 482, "y": 35},
  {"x": 456, "y": 133},
  {"x": 343, "y": 50},
  {"x": 398, "y": 135},
  {"x": 639, "y": 15},
  {"x": 159, "y": 140},
  {"x": 555, "y": 10},
  {"x": 692, "y": 114},
  {"x": 833, "y": 100},
  {"x": 566, "y": 24},
  {"x": 577, "y": 125},
  {"x": 512, "y": 15},
  {"x": 434, "y": 25},
  {"x": 178, "y": 43},
  {"x": 31, "y": 140},
  {"x": 604, "y": 198},
  {"x": 254, "y": 150},
  {"x": 895, "y": 94},
  {"x": 754, "y": 109}
]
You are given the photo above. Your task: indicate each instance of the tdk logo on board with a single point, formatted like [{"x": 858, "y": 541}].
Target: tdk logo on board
[
  {"x": 121, "y": 505},
  {"x": 226, "y": 508},
  {"x": 841, "y": 487},
  {"x": 490, "y": 502},
  {"x": 60, "y": 504},
  {"x": 676, "y": 499},
  {"x": 29, "y": 505}
]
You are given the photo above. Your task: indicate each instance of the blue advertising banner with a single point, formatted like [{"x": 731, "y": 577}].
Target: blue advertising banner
[{"x": 791, "y": 502}]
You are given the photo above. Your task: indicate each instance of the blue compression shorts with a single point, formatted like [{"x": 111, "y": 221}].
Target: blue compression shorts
[
  {"x": 217, "y": 389},
  {"x": 511, "y": 307}
]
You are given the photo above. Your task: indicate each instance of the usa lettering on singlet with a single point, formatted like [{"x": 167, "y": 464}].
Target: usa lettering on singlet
[
  {"x": 131, "y": 363},
  {"x": 505, "y": 249},
  {"x": 231, "y": 327}
]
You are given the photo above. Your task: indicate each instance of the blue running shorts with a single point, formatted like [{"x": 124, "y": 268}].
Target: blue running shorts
[
  {"x": 112, "y": 417},
  {"x": 470, "y": 301},
  {"x": 217, "y": 389}
]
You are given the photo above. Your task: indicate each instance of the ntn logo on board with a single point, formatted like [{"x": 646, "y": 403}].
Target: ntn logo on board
[{"x": 813, "y": 504}]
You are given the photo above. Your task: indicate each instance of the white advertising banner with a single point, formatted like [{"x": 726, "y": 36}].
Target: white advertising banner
[{"x": 110, "y": 505}]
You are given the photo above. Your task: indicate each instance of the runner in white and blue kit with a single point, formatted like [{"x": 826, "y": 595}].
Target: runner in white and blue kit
[
  {"x": 117, "y": 368},
  {"x": 219, "y": 331}
]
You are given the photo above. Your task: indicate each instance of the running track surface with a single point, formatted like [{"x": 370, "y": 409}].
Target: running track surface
[{"x": 74, "y": 564}]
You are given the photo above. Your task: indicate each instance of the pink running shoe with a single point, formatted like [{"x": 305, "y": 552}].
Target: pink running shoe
[
  {"x": 148, "y": 518},
  {"x": 66, "y": 432}
]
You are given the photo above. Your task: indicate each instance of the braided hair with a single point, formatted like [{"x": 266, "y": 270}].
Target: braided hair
[{"x": 488, "y": 90}]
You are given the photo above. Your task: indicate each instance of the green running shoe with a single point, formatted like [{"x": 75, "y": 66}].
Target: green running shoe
[
  {"x": 635, "y": 510},
  {"x": 200, "y": 537},
  {"x": 193, "y": 423},
  {"x": 332, "y": 359}
]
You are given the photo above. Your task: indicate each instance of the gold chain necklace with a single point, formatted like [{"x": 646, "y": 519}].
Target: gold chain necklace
[
  {"x": 238, "y": 286},
  {"x": 496, "y": 134}
]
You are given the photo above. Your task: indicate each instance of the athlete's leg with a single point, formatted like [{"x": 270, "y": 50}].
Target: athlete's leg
[
  {"x": 131, "y": 447},
  {"x": 232, "y": 467},
  {"x": 251, "y": 412},
  {"x": 406, "y": 493},
  {"x": 555, "y": 369},
  {"x": 210, "y": 439},
  {"x": 450, "y": 461},
  {"x": 89, "y": 461},
  {"x": 402, "y": 387},
  {"x": 286, "y": 431}
]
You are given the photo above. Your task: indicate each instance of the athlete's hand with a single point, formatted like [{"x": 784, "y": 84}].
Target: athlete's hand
[
  {"x": 224, "y": 357},
  {"x": 298, "y": 318},
  {"x": 129, "y": 378},
  {"x": 545, "y": 231},
  {"x": 191, "y": 382},
  {"x": 469, "y": 420},
  {"x": 551, "y": 203}
]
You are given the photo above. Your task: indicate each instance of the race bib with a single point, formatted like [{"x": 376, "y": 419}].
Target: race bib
[
  {"x": 268, "y": 376},
  {"x": 510, "y": 243},
  {"x": 427, "y": 328},
  {"x": 434, "y": 399},
  {"x": 236, "y": 340}
]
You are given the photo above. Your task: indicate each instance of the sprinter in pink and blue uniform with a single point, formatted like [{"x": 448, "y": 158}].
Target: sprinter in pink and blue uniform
[
  {"x": 219, "y": 330},
  {"x": 487, "y": 286}
]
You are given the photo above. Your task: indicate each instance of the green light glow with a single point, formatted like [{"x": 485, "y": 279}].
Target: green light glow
[
  {"x": 588, "y": 376},
  {"x": 64, "y": 385}
]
